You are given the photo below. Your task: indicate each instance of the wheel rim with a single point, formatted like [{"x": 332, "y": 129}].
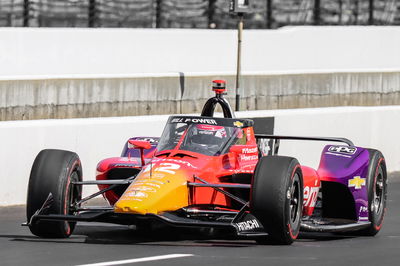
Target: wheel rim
[
  {"x": 379, "y": 192},
  {"x": 294, "y": 197},
  {"x": 74, "y": 194}
]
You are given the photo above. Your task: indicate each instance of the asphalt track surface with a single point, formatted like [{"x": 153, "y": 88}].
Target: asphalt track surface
[{"x": 95, "y": 243}]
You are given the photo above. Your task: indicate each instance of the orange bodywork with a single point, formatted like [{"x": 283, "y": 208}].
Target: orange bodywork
[{"x": 162, "y": 184}]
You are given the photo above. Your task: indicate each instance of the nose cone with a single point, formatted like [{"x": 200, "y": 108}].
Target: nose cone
[{"x": 155, "y": 192}]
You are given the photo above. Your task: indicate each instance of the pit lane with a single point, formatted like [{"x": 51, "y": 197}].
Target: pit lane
[{"x": 95, "y": 243}]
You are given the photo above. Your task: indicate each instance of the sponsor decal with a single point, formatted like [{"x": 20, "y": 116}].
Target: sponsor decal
[
  {"x": 194, "y": 120},
  {"x": 146, "y": 189},
  {"x": 136, "y": 194},
  {"x": 206, "y": 132},
  {"x": 357, "y": 182},
  {"x": 310, "y": 195},
  {"x": 249, "y": 150},
  {"x": 153, "y": 185},
  {"x": 177, "y": 120},
  {"x": 125, "y": 164},
  {"x": 362, "y": 212},
  {"x": 151, "y": 140},
  {"x": 244, "y": 157},
  {"x": 247, "y": 225},
  {"x": 209, "y": 127},
  {"x": 236, "y": 171},
  {"x": 158, "y": 175},
  {"x": 127, "y": 159},
  {"x": 343, "y": 149},
  {"x": 174, "y": 160},
  {"x": 238, "y": 124}
]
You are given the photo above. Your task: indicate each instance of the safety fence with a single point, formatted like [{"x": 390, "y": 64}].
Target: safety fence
[{"x": 195, "y": 13}]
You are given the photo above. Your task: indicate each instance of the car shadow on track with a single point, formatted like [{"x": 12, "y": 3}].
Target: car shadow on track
[
  {"x": 167, "y": 236},
  {"x": 158, "y": 234},
  {"x": 163, "y": 236}
]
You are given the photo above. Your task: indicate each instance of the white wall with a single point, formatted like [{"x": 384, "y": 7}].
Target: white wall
[
  {"x": 126, "y": 52},
  {"x": 368, "y": 127},
  {"x": 98, "y": 138},
  {"x": 92, "y": 139}
]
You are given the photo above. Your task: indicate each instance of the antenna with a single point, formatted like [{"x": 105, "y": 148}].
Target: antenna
[{"x": 239, "y": 7}]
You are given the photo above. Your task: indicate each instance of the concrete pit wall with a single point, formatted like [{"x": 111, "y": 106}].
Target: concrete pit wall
[
  {"x": 179, "y": 93},
  {"x": 65, "y": 73}
]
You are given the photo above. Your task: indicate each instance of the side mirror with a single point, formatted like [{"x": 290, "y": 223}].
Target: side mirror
[{"x": 139, "y": 144}]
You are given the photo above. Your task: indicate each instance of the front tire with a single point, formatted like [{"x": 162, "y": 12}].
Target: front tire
[
  {"x": 53, "y": 171},
  {"x": 277, "y": 197},
  {"x": 377, "y": 192}
]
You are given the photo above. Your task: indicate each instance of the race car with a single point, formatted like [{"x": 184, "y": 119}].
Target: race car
[{"x": 207, "y": 171}]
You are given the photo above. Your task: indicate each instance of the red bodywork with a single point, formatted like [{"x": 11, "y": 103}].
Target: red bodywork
[{"x": 241, "y": 160}]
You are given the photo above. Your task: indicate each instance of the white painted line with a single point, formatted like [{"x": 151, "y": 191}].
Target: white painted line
[{"x": 119, "y": 262}]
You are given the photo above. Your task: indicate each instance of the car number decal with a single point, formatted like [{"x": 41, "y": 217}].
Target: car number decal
[{"x": 168, "y": 168}]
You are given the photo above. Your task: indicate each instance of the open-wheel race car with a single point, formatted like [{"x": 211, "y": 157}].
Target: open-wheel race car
[{"x": 207, "y": 171}]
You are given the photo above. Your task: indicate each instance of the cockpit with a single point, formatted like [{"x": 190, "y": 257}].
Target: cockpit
[{"x": 207, "y": 136}]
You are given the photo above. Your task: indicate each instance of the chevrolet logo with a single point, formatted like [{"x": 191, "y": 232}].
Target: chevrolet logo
[
  {"x": 238, "y": 124},
  {"x": 357, "y": 182}
]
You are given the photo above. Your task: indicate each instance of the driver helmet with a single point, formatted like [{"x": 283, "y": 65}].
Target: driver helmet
[{"x": 208, "y": 134}]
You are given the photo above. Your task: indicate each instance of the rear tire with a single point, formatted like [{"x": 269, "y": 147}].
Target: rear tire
[
  {"x": 277, "y": 198},
  {"x": 52, "y": 172},
  {"x": 377, "y": 192}
]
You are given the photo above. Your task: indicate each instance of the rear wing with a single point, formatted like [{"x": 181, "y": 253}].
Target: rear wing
[{"x": 273, "y": 147}]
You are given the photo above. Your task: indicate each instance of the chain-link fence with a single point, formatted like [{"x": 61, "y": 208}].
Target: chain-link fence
[{"x": 195, "y": 13}]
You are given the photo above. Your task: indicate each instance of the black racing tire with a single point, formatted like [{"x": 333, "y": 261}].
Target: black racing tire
[
  {"x": 52, "y": 172},
  {"x": 377, "y": 192},
  {"x": 277, "y": 198}
]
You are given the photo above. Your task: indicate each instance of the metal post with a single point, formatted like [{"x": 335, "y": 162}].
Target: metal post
[
  {"x": 211, "y": 11},
  {"x": 92, "y": 14},
  {"x": 317, "y": 12},
  {"x": 158, "y": 13},
  {"x": 269, "y": 14},
  {"x": 238, "y": 66},
  {"x": 371, "y": 12},
  {"x": 356, "y": 11},
  {"x": 26, "y": 13}
]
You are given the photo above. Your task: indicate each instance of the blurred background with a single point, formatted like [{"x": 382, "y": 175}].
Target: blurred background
[{"x": 267, "y": 14}]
